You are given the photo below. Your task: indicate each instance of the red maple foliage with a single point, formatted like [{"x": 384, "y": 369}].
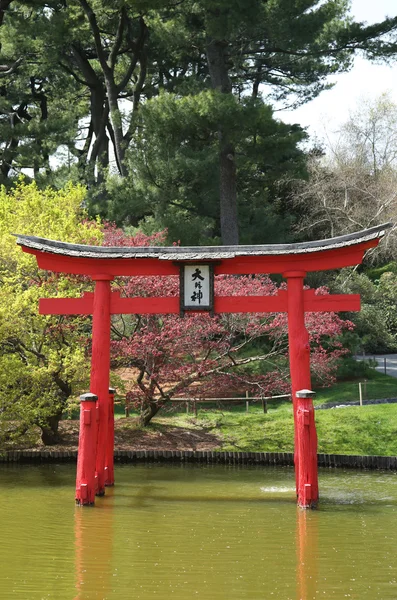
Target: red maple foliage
[{"x": 204, "y": 356}]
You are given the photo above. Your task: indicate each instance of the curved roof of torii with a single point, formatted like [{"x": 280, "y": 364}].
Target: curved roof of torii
[
  {"x": 98, "y": 261},
  {"x": 198, "y": 253}
]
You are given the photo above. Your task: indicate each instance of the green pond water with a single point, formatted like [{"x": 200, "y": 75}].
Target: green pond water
[{"x": 205, "y": 532}]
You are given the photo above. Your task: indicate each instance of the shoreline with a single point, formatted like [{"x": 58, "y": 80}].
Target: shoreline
[{"x": 384, "y": 463}]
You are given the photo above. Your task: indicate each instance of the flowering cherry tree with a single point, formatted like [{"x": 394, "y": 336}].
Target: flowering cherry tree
[{"x": 208, "y": 356}]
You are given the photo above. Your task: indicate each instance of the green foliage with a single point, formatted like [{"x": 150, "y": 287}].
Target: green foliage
[
  {"x": 42, "y": 359},
  {"x": 78, "y": 79},
  {"x": 374, "y": 273},
  {"x": 40, "y": 104},
  {"x": 349, "y": 368},
  {"x": 375, "y": 325},
  {"x": 387, "y": 300},
  {"x": 174, "y": 173}
]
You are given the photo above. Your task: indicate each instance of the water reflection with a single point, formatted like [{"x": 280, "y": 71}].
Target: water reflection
[
  {"x": 94, "y": 549},
  {"x": 307, "y": 553}
]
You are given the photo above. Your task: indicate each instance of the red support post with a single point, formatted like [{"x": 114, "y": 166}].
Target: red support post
[
  {"x": 85, "y": 479},
  {"x": 299, "y": 357},
  {"x": 109, "y": 462},
  {"x": 307, "y": 450},
  {"x": 100, "y": 367}
]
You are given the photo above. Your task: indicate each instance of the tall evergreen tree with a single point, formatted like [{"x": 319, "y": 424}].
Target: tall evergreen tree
[
  {"x": 74, "y": 76},
  {"x": 291, "y": 46},
  {"x": 173, "y": 179}
]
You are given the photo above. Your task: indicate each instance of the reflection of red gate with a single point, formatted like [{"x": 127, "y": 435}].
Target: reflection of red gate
[{"x": 293, "y": 261}]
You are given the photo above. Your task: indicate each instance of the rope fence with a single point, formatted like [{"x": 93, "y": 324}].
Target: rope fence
[{"x": 192, "y": 404}]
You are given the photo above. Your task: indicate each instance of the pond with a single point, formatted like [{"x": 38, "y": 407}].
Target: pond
[{"x": 206, "y": 532}]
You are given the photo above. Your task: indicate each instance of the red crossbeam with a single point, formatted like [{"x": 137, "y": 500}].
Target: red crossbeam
[{"x": 222, "y": 304}]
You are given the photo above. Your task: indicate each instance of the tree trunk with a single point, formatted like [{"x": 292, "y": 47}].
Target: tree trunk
[
  {"x": 100, "y": 149},
  {"x": 4, "y": 4},
  {"x": 218, "y": 68},
  {"x": 227, "y": 192},
  {"x": 98, "y": 157},
  {"x": 116, "y": 121},
  {"x": 49, "y": 430},
  {"x": 49, "y": 425},
  {"x": 148, "y": 411}
]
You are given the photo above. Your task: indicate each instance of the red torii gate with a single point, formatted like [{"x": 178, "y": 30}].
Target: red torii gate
[{"x": 102, "y": 264}]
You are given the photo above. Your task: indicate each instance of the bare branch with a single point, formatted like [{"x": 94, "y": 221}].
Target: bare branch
[{"x": 8, "y": 70}]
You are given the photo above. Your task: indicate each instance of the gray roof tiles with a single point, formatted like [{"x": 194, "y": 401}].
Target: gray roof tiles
[{"x": 198, "y": 253}]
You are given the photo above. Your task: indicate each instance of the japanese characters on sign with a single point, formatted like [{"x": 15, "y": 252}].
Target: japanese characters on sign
[{"x": 196, "y": 287}]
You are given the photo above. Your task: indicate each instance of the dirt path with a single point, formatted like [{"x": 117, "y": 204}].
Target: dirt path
[{"x": 129, "y": 437}]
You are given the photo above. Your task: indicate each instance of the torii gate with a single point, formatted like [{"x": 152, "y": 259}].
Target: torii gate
[{"x": 102, "y": 264}]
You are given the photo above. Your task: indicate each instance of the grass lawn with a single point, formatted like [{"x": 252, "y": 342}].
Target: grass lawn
[
  {"x": 376, "y": 386},
  {"x": 370, "y": 430}
]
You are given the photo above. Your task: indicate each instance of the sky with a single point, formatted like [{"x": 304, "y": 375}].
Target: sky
[{"x": 323, "y": 115}]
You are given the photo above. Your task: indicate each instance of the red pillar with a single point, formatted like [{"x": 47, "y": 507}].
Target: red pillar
[
  {"x": 109, "y": 462},
  {"x": 100, "y": 367},
  {"x": 299, "y": 356},
  {"x": 85, "y": 479},
  {"x": 307, "y": 450}
]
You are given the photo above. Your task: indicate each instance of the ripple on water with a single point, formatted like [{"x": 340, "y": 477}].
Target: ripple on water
[{"x": 276, "y": 489}]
